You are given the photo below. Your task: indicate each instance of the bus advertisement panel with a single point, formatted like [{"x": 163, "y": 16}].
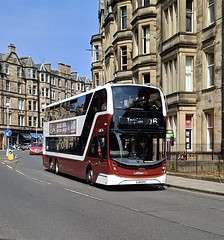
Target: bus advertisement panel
[{"x": 111, "y": 135}]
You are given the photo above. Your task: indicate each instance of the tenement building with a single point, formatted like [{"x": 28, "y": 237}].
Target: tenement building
[
  {"x": 174, "y": 44},
  {"x": 25, "y": 88}
]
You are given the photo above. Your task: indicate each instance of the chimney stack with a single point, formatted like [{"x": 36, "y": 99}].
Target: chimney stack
[{"x": 11, "y": 48}]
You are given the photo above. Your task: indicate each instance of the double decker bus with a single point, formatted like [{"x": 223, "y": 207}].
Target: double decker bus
[{"x": 111, "y": 135}]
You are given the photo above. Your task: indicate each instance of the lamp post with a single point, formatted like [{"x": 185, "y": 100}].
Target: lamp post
[
  {"x": 7, "y": 122},
  {"x": 8, "y": 133},
  {"x": 36, "y": 132},
  {"x": 7, "y": 114}
]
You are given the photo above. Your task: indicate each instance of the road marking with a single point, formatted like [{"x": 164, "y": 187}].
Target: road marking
[
  {"x": 21, "y": 173},
  {"x": 9, "y": 166},
  {"x": 50, "y": 184},
  {"x": 83, "y": 194}
]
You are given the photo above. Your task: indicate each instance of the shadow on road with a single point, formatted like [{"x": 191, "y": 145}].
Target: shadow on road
[
  {"x": 117, "y": 188},
  {"x": 133, "y": 188}
]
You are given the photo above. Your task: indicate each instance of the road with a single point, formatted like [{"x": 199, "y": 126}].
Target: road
[{"x": 36, "y": 204}]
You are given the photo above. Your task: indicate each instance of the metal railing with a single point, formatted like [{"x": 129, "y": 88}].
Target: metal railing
[{"x": 202, "y": 161}]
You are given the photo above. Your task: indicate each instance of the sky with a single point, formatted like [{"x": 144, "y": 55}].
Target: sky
[{"x": 51, "y": 31}]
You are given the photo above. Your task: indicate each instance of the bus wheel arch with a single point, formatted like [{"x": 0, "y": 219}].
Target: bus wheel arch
[{"x": 89, "y": 175}]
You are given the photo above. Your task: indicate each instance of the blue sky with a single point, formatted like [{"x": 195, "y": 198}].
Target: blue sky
[{"x": 51, "y": 31}]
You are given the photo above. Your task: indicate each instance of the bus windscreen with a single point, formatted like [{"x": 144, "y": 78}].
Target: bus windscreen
[{"x": 136, "y": 98}]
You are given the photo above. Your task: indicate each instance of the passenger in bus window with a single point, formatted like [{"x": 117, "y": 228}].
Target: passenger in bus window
[
  {"x": 130, "y": 101},
  {"x": 78, "y": 111},
  {"x": 118, "y": 102},
  {"x": 153, "y": 105},
  {"x": 103, "y": 100},
  {"x": 104, "y": 106}
]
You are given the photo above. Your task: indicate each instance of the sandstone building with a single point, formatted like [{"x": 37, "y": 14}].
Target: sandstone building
[
  {"x": 25, "y": 88},
  {"x": 175, "y": 44}
]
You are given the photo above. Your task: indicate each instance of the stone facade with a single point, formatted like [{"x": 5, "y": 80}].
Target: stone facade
[
  {"x": 27, "y": 87},
  {"x": 174, "y": 44}
]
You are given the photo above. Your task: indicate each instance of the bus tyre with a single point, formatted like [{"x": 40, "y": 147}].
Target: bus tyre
[
  {"x": 57, "y": 167},
  {"x": 51, "y": 166},
  {"x": 89, "y": 176}
]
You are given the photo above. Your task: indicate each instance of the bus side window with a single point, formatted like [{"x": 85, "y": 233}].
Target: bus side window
[
  {"x": 93, "y": 148},
  {"x": 86, "y": 103},
  {"x": 102, "y": 100},
  {"x": 99, "y": 102},
  {"x": 93, "y": 107}
]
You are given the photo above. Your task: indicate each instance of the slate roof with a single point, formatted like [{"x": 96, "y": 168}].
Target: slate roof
[
  {"x": 3, "y": 56},
  {"x": 43, "y": 68},
  {"x": 85, "y": 80},
  {"x": 27, "y": 62},
  {"x": 74, "y": 75}
]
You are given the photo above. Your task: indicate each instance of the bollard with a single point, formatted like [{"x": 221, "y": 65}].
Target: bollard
[{"x": 10, "y": 154}]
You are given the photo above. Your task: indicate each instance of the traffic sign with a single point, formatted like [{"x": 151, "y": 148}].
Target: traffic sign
[
  {"x": 36, "y": 136},
  {"x": 8, "y": 132}
]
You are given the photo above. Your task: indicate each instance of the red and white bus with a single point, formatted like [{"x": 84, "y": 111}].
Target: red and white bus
[{"x": 111, "y": 135}]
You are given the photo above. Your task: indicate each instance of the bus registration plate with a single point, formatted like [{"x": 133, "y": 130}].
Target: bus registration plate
[{"x": 140, "y": 182}]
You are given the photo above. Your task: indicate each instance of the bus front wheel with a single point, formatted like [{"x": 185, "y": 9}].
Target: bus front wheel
[{"x": 89, "y": 176}]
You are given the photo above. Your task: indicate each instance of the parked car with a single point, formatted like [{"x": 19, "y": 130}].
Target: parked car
[
  {"x": 25, "y": 146},
  {"x": 36, "y": 148}
]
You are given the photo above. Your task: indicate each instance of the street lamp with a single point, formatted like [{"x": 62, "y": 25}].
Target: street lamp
[
  {"x": 8, "y": 133},
  {"x": 7, "y": 122},
  {"x": 7, "y": 114}
]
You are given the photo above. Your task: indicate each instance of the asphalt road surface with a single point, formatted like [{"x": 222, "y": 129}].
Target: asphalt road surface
[{"x": 36, "y": 204}]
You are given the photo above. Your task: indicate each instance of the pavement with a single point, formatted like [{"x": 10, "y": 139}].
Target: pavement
[{"x": 198, "y": 185}]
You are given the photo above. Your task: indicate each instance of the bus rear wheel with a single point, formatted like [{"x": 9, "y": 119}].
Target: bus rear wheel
[
  {"x": 56, "y": 167},
  {"x": 51, "y": 166},
  {"x": 89, "y": 176}
]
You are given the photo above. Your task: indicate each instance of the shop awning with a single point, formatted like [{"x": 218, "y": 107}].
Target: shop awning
[
  {"x": 27, "y": 136},
  {"x": 36, "y": 135}
]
